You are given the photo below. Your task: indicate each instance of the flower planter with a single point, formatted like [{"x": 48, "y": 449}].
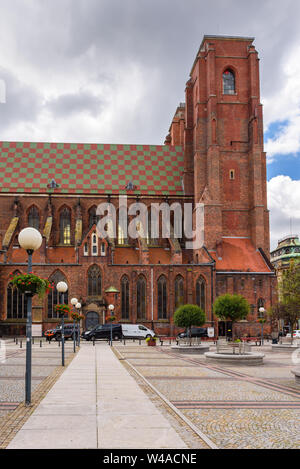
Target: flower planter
[{"x": 151, "y": 343}]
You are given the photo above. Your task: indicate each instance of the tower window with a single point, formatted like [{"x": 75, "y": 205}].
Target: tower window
[
  {"x": 228, "y": 82},
  {"x": 232, "y": 174}
]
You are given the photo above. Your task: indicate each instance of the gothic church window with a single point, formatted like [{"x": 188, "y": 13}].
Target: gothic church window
[
  {"x": 34, "y": 218},
  {"x": 179, "y": 292},
  {"x": 200, "y": 293},
  {"x": 228, "y": 82},
  {"x": 125, "y": 297},
  {"x": 162, "y": 297},
  {"x": 65, "y": 226},
  {"x": 16, "y": 303},
  {"x": 94, "y": 281},
  {"x": 141, "y": 298},
  {"x": 53, "y": 296}
]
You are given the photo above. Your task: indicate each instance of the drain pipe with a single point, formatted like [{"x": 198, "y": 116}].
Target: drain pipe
[{"x": 152, "y": 294}]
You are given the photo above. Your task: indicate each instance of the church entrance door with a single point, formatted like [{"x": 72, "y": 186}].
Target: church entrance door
[{"x": 91, "y": 320}]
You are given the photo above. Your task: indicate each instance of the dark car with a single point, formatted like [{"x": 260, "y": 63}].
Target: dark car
[
  {"x": 56, "y": 333},
  {"x": 195, "y": 332},
  {"x": 103, "y": 331}
]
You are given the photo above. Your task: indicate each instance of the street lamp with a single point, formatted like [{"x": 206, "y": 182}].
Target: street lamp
[
  {"x": 262, "y": 320},
  {"x": 78, "y": 306},
  {"x": 74, "y": 302},
  {"x": 111, "y": 308},
  {"x": 31, "y": 240},
  {"x": 62, "y": 287}
]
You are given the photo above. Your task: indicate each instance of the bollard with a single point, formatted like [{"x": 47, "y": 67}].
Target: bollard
[
  {"x": 59, "y": 343},
  {"x": 124, "y": 342},
  {"x": 41, "y": 343},
  {"x": 16, "y": 340},
  {"x": 170, "y": 341},
  {"x": 139, "y": 341},
  {"x": 20, "y": 343},
  {"x": 161, "y": 343},
  {"x": 93, "y": 341},
  {"x": 32, "y": 341}
]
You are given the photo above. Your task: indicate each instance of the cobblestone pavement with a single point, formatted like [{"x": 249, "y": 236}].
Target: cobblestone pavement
[
  {"x": 46, "y": 369},
  {"x": 235, "y": 406}
]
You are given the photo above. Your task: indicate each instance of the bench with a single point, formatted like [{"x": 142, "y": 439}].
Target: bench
[
  {"x": 240, "y": 347},
  {"x": 257, "y": 340},
  {"x": 165, "y": 339}
]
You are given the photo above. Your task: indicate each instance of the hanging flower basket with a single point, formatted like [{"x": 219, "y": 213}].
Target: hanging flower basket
[
  {"x": 77, "y": 317},
  {"x": 63, "y": 310},
  {"x": 110, "y": 318},
  {"x": 31, "y": 284}
]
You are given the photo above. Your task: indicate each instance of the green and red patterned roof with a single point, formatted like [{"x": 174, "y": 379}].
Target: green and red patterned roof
[{"x": 90, "y": 168}]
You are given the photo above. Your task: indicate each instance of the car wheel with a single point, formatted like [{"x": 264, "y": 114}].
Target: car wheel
[{"x": 116, "y": 337}]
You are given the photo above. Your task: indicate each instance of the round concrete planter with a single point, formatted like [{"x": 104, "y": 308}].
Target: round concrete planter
[
  {"x": 191, "y": 349},
  {"x": 250, "y": 358},
  {"x": 284, "y": 347},
  {"x": 296, "y": 372}
]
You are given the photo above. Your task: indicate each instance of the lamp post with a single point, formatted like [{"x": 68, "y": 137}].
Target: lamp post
[
  {"x": 262, "y": 321},
  {"x": 74, "y": 302},
  {"x": 31, "y": 240},
  {"x": 111, "y": 308},
  {"x": 62, "y": 287},
  {"x": 78, "y": 307}
]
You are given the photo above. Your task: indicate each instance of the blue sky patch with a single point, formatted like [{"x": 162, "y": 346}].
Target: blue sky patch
[{"x": 288, "y": 165}]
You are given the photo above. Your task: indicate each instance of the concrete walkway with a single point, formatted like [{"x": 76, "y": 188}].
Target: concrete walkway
[{"x": 96, "y": 404}]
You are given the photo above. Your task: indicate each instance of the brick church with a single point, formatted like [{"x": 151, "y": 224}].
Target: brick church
[{"x": 213, "y": 156}]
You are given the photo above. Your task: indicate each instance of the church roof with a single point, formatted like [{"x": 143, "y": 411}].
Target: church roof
[
  {"x": 239, "y": 255},
  {"x": 83, "y": 168}
]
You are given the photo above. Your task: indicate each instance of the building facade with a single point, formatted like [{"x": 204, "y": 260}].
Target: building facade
[{"x": 212, "y": 160}]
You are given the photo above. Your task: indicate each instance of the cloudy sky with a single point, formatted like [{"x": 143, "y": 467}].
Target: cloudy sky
[{"x": 113, "y": 71}]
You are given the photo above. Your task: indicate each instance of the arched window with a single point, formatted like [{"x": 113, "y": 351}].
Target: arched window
[
  {"x": 94, "y": 246},
  {"x": 228, "y": 82},
  {"x": 34, "y": 218},
  {"x": 200, "y": 293},
  {"x": 94, "y": 281},
  {"x": 260, "y": 304},
  {"x": 179, "y": 292},
  {"x": 141, "y": 298},
  {"x": 151, "y": 222},
  {"x": 93, "y": 217},
  {"x": 121, "y": 226},
  {"x": 53, "y": 296},
  {"x": 16, "y": 302},
  {"x": 65, "y": 226},
  {"x": 162, "y": 297},
  {"x": 125, "y": 297}
]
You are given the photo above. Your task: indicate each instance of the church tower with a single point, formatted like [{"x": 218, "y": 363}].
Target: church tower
[{"x": 223, "y": 141}]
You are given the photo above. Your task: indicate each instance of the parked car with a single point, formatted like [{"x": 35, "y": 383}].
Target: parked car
[
  {"x": 136, "y": 331},
  {"x": 103, "y": 331},
  {"x": 195, "y": 332},
  {"x": 56, "y": 333},
  {"x": 296, "y": 333}
]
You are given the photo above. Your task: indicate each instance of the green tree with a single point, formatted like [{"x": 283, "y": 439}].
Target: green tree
[
  {"x": 231, "y": 308},
  {"x": 288, "y": 306},
  {"x": 188, "y": 316}
]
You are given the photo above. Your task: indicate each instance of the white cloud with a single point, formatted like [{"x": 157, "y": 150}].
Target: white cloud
[
  {"x": 284, "y": 206},
  {"x": 285, "y": 106}
]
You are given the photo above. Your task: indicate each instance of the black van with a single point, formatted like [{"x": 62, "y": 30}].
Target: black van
[
  {"x": 195, "y": 332},
  {"x": 103, "y": 331}
]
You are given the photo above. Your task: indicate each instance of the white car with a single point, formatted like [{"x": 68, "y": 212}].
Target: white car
[
  {"x": 296, "y": 333},
  {"x": 136, "y": 331}
]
